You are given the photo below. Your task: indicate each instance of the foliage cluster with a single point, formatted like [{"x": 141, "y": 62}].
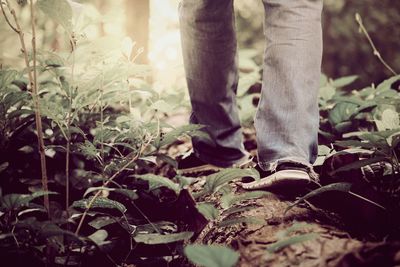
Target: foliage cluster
[{"x": 105, "y": 148}]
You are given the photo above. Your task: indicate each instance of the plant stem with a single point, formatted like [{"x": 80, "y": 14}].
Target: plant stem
[
  {"x": 375, "y": 51},
  {"x": 102, "y": 117},
  {"x": 32, "y": 75},
  {"x": 38, "y": 117},
  {"x": 90, "y": 204},
  {"x": 69, "y": 122}
]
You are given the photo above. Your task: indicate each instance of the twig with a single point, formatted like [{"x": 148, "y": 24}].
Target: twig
[
  {"x": 90, "y": 204},
  {"x": 7, "y": 19},
  {"x": 375, "y": 51}
]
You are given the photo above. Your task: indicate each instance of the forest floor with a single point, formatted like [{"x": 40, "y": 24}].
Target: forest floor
[{"x": 305, "y": 235}]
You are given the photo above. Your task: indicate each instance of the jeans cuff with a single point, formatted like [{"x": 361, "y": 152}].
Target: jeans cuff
[{"x": 272, "y": 165}]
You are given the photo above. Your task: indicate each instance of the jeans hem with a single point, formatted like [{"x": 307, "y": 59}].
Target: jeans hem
[{"x": 272, "y": 165}]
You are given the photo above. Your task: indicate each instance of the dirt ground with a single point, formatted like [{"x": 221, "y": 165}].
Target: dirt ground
[
  {"x": 252, "y": 240},
  {"x": 328, "y": 239}
]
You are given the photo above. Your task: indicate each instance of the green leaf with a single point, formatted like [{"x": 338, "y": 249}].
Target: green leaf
[
  {"x": 324, "y": 150},
  {"x": 167, "y": 159},
  {"x": 215, "y": 181},
  {"x": 327, "y": 92},
  {"x": 247, "y": 109},
  {"x": 170, "y": 137},
  {"x": 211, "y": 255},
  {"x": 355, "y": 143},
  {"x": 390, "y": 120},
  {"x": 343, "y": 81},
  {"x": 156, "y": 181},
  {"x": 291, "y": 241},
  {"x": 7, "y": 77},
  {"x": 94, "y": 189},
  {"x": 294, "y": 228},
  {"x": 131, "y": 194},
  {"x": 99, "y": 237},
  {"x": 58, "y": 10},
  {"x": 358, "y": 164},
  {"x": 246, "y": 82},
  {"x": 386, "y": 84},
  {"x": 99, "y": 202},
  {"x": 101, "y": 222},
  {"x": 342, "y": 187},
  {"x": 343, "y": 127},
  {"x": 238, "y": 209},
  {"x": 154, "y": 239},
  {"x": 208, "y": 210},
  {"x": 342, "y": 111},
  {"x": 15, "y": 201},
  {"x": 162, "y": 106}
]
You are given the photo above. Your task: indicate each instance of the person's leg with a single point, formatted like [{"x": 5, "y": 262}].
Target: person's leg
[
  {"x": 287, "y": 118},
  {"x": 209, "y": 53}
]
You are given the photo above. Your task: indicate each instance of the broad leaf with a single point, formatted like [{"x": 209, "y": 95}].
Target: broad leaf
[
  {"x": 101, "y": 222},
  {"x": 170, "y": 137},
  {"x": 15, "y": 201},
  {"x": 208, "y": 210},
  {"x": 358, "y": 164},
  {"x": 99, "y": 237},
  {"x": 343, "y": 81},
  {"x": 389, "y": 120},
  {"x": 342, "y": 187},
  {"x": 154, "y": 239},
  {"x": 342, "y": 111},
  {"x": 99, "y": 202},
  {"x": 291, "y": 241},
  {"x": 7, "y": 77},
  {"x": 386, "y": 84},
  {"x": 211, "y": 255},
  {"x": 246, "y": 82},
  {"x": 58, "y": 10},
  {"x": 215, "y": 181},
  {"x": 156, "y": 181}
]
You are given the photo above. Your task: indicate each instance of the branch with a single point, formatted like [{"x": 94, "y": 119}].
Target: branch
[{"x": 375, "y": 51}]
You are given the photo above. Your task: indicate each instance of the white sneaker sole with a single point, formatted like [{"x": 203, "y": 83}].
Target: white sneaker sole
[{"x": 284, "y": 178}]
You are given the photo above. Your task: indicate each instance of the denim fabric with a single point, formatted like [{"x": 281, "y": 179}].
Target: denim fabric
[{"x": 287, "y": 118}]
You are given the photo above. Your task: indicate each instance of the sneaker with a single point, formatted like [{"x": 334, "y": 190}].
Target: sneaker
[
  {"x": 193, "y": 165},
  {"x": 287, "y": 174}
]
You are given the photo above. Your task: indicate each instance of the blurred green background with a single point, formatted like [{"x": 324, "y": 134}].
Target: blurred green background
[
  {"x": 346, "y": 50},
  {"x": 153, "y": 24}
]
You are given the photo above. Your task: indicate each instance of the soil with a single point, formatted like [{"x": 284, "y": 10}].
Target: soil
[{"x": 252, "y": 240}]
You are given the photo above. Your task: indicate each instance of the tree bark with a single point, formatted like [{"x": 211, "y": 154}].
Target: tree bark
[{"x": 137, "y": 26}]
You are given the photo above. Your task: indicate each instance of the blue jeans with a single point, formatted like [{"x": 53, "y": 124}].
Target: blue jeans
[{"x": 287, "y": 118}]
